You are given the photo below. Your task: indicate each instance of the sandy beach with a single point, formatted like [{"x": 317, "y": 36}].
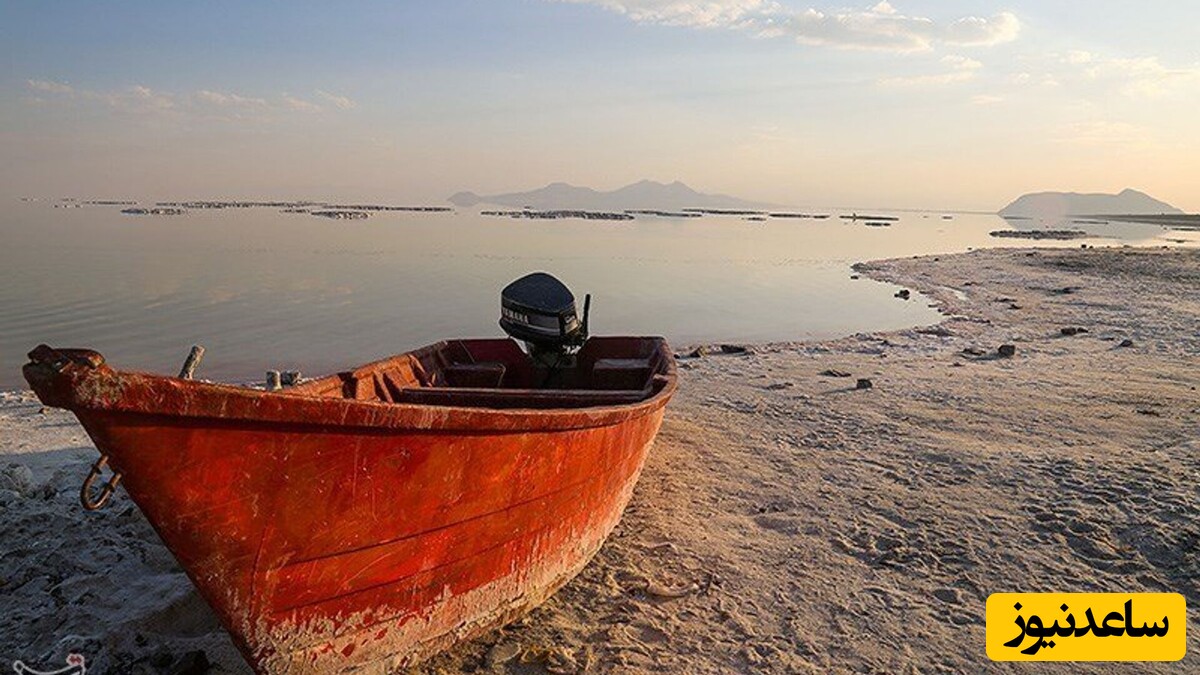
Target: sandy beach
[{"x": 786, "y": 520}]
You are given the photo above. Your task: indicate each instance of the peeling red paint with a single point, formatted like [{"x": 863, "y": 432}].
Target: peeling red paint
[{"x": 373, "y": 517}]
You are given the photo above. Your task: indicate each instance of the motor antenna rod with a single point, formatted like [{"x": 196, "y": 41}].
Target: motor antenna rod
[{"x": 587, "y": 310}]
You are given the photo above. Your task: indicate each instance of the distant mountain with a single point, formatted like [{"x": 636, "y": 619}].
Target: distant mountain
[
  {"x": 1054, "y": 204},
  {"x": 646, "y": 194}
]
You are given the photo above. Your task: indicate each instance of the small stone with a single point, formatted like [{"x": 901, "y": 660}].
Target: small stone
[
  {"x": 903, "y": 294},
  {"x": 1007, "y": 351},
  {"x": 947, "y": 595},
  {"x": 833, "y": 372},
  {"x": 973, "y": 351},
  {"x": 863, "y": 383},
  {"x": 734, "y": 349},
  {"x": 1126, "y": 343},
  {"x": 752, "y": 656},
  {"x": 1072, "y": 330},
  {"x": 43, "y": 410},
  {"x": 660, "y": 590},
  {"x": 502, "y": 652},
  {"x": 18, "y": 478},
  {"x": 855, "y": 277}
]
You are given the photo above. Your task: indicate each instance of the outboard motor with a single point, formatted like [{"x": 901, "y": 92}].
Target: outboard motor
[{"x": 539, "y": 310}]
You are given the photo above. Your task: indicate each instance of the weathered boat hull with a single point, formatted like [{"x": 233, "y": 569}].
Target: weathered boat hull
[{"x": 333, "y": 534}]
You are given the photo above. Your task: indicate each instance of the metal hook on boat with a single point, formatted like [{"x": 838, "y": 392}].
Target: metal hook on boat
[{"x": 106, "y": 491}]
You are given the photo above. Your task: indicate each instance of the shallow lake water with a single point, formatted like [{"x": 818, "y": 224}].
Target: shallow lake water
[{"x": 262, "y": 289}]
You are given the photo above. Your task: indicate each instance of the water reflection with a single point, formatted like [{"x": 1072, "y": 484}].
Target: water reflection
[{"x": 264, "y": 289}]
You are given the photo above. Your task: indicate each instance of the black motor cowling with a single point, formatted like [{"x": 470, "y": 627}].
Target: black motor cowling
[{"x": 540, "y": 310}]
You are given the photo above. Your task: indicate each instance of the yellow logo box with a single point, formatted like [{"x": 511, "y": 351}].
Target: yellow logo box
[{"x": 1086, "y": 627}]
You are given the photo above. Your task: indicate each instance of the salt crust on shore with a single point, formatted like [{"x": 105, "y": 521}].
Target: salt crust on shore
[{"x": 785, "y": 522}]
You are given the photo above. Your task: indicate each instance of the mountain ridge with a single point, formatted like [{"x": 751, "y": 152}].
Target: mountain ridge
[
  {"x": 644, "y": 194},
  {"x": 1053, "y": 204}
]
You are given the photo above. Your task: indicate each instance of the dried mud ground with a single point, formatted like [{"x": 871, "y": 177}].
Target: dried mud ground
[{"x": 785, "y": 521}]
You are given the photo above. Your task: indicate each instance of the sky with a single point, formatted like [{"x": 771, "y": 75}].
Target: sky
[{"x": 904, "y": 103}]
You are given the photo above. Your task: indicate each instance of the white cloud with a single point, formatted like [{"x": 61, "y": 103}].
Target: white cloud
[
  {"x": 200, "y": 104},
  {"x": 881, "y": 27},
  {"x": 141, "y": 98},
  {"x": 136, "y": 98},
  {"x": 1099, "y": 133},
  {"x": 341, "y": 102},
  {"x": 1139, "y": 76},
  {"x": 50, "y": 87},
  {"x": 978, "y": 31},
  {"x": 1077, "y": 57},
  {"x": 961, "y": 63},
  {"x": 1029, "y": 79},
  {"x": 960, "y": 69},
  {"x": 223, "y": 99},
  {"x": 1098, "y": 75},
  {"x": 711, "y": 14},
  {"x": 300, "y": 105}
]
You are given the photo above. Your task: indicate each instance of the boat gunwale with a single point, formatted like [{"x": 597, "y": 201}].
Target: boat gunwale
[{"x": 104, "y": 389}]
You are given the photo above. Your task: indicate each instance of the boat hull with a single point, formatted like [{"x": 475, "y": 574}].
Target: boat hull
[{"x": 332, "y": 535}]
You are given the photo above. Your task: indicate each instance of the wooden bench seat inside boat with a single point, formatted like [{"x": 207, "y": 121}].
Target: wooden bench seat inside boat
[
  {"x": 476, "y": 375},
  {"x": 496, "y": 373},
  {"x": 620, "y": 373}
]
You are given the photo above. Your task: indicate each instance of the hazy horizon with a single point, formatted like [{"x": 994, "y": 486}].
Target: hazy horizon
[
  {"x": 360, "y": 198},
  {"x": 908, "y": 105}
]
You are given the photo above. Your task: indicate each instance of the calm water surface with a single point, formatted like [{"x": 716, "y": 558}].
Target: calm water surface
[{"x": 261, "y": 289}]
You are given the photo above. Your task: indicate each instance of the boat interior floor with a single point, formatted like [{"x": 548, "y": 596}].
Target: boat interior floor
[{"x": 496, "y": 373}]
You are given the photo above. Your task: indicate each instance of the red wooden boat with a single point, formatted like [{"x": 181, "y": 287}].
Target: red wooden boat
[{"x": 373, "y": 517}]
